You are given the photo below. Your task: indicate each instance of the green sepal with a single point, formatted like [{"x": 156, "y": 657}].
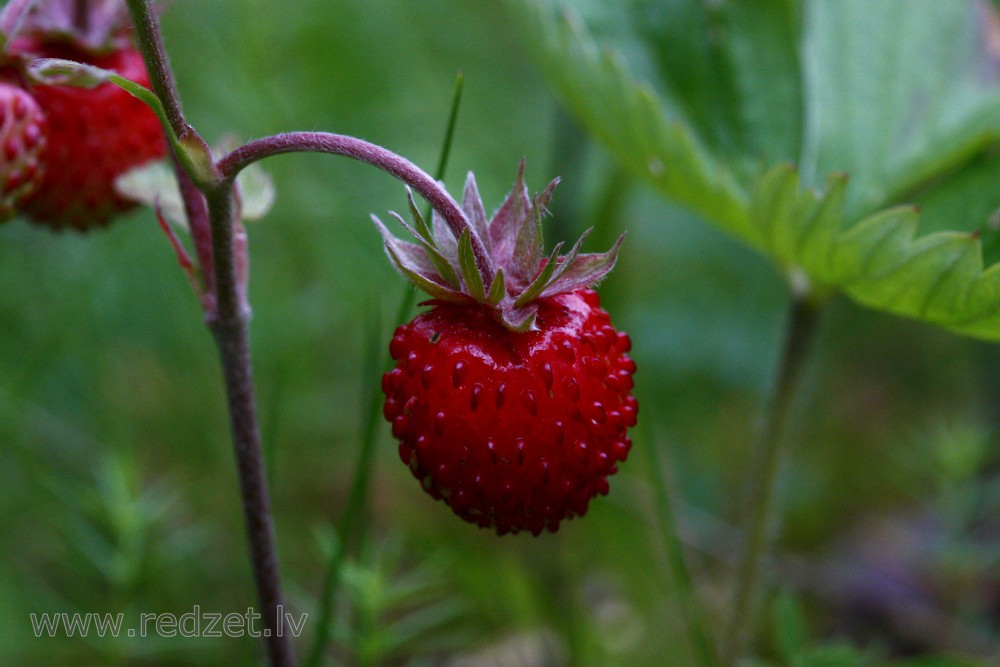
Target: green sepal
[
  {"x": 528, "y": 245},
  {"x": 519, "y": 320},
  {"x": 423, "y": 281},
  {"x": 470, "y": 271},
  {"x": 497, "y": 288},
  {"x": 584, "y": 271},
  {"x": 418, "y": 219},
  {"x": 567, "y": 260},
  {"x": 445, "y": 264},
  {"x": 541, "y": 281},
  {"x": 439, "y": 261},
  {"x": 443, "y": 237}
]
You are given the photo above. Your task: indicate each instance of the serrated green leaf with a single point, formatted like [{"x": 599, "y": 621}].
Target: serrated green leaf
[
  {"x": 897, "y": 93},
  {"x": 905, "y": 107},
  {"x": 962, "y": 201},
  {"x": 731, "y": 69},
  {"x": 629, "y": 118},
  {"x": 470, "y": 270}
]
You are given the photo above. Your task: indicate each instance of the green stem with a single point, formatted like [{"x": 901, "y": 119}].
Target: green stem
[
  {"x": 761, "y": 512},
  {"x": 230, "y": 328},
  {"x": 694, "y": 617},
  {"x": 350, "y": 522},
  {"x": 161, "y": 76},
  {"x": 351, "y": 519}
]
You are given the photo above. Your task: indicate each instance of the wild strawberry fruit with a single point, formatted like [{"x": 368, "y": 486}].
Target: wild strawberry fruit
[
  {"x": 95, "y": 134},
  {"x": 511, "y": 403},
  {"x": 22, "y": 148}
]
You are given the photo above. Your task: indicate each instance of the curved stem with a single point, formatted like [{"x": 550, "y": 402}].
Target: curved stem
[
  {"x": 761, "y": 515},
  {"x": 338, "y": 144}
]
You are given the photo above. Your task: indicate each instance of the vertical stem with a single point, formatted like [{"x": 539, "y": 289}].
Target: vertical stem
[
  {"x": 680, "y": 576},
  {"x": 201, "y": 230},
  {"x": 352, "y": 517},
  {"x": 362, "y": 475},
  {"x": 761, "y": 515},
  {"x": 147, "y": 29},
  {"x": 230, "y": 328}
]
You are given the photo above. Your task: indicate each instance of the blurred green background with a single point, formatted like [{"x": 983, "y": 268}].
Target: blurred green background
[{"x": 118, "y": 485}]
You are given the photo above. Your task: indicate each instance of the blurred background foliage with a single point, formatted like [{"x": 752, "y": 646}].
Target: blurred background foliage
[{"x": 118, "y": 485}]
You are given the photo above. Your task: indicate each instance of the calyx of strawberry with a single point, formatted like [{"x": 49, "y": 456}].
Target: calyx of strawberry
[
  {"x": 94, "y": 26},
  {"x": 513, "y": 275}
]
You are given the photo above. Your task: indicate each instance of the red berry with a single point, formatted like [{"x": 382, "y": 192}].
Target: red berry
[
  {"x": 514, "y": 430},
  {"x": 511, "y": 398},
  {"x": 95, "y": 135},
  {"x": 23, "y": 143}
]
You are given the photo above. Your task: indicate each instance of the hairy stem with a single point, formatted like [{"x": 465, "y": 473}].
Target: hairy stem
[
  {"x": 147, "y": 29},
  {"x": 196, "y": 211},
  {"x": 231, "y": 330},
  {"x": 337, "y": 144},
  {"x": 761, "y": 515},
  {"x": 214, "y": 228}
]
